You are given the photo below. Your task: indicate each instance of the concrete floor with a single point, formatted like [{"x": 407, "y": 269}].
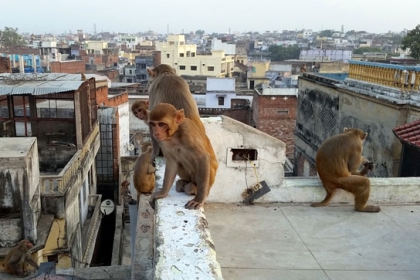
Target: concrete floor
[{"x": 281, "y": 241}]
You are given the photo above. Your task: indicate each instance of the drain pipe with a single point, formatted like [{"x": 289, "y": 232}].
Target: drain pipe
[{"x": 132, "y": 208}]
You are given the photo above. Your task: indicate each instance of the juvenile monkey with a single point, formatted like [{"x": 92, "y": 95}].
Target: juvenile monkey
[
  {"x": 337, "y": 162},
  {"x": 167, "y": 87},
  {"x": 125, "y": 192},
  {"x": 144, "y": 173},
  {"x": 187, "y": 151},
  {"x": 18, "y": 257}
]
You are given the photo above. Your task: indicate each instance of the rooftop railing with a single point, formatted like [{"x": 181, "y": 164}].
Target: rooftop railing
[
  {"x": 406, "y": 78},
  {"x": 57, "y": 184}
]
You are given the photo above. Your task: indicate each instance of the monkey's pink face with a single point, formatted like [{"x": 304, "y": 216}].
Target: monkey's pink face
[
  {"x": 159, "y": 130},
  {"x": 140, "y": 114}
]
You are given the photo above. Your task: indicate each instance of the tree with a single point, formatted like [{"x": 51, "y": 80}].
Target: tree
[
  {"x": 362, "y": 50},
  {"x": 326, "y": 33},
  {"x": 10, "y": 38},
  {"x": 280, "y": 53},
  {"x": 412, "y": 42}
]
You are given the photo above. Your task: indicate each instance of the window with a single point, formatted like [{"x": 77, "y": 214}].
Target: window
[
  {"x": 181, "y": 54},
  {"x": 283, "y": 112},
  {"x": 221, "y": 100},
  {"x": 193, "y": 68},
  {"x": 131, "y": 72},
  {"x": 143, "y": 66},
  {"x": 210, "y": 68},
  {"x": 167, "y": 55},
  {"x": 188, "y": 53},
  {"x": 181, "y": 67},
  {"x": 4, "y": 109},
  {"x": 193, "y": 54},
  {"x": 244, "y": 154}
]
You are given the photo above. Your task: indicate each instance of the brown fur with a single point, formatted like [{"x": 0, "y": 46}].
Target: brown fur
[
  {"x": 18, "y": 257},
  {"x": 144, "y": 173},
  {"x": 167, "y": 87},
  {"x": 338, "y": 160},
  {"x": 139, "y": 109},
  {"x": 125, "y": 192},
  {"x": 187, "y": 151}
]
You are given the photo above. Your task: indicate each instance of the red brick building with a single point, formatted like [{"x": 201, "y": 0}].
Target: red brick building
[
  {"x": 5, "y": 65},
  {"x": 274, "y": 112},
  {"x": 69, "y": 66}
]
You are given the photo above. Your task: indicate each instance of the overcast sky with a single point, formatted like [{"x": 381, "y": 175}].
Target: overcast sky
[{"x": 130, "y": 16}]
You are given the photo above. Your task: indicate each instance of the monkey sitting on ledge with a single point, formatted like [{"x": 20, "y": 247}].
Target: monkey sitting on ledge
[
  {"x": 17, "y": 259},
  {"x": 337, "y": 162},
  {"x": 188, "y": 154}
]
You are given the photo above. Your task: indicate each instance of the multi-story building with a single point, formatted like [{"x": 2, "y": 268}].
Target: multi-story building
[
  {"x": 48, "y": 165},
  {"x": 183, "y": 57}
]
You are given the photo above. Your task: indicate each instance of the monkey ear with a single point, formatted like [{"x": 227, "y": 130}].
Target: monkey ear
[
  {"x": 364, "y": 135},
  {"x": 345, "y": 129},
  {"x": 150, "y": 72},
  {"x": 179, "y": 116}
]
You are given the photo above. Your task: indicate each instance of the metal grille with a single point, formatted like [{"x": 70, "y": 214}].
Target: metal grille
[
  {"x": 104, "y": 158},
  {"x": 328, "y": 119},
  {"x": 306, "y": 109}
]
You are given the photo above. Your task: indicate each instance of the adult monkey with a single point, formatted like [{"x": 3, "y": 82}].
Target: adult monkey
[
  {"x": 188, "y": 154},
  {"x": 18, "y": 257},
  {"x": 337, "y": 162},
  {"x": 167, "y": 87}
]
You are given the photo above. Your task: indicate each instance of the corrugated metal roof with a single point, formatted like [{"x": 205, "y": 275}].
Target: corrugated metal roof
[
  {"x": 39, "y": 84},
  {"x": 409, "y": 133}
]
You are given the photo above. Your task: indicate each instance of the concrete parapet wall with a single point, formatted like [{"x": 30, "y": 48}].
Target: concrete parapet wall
[
  {"x": 184, "y": 248},
  {"x": 306, "y": 190}
]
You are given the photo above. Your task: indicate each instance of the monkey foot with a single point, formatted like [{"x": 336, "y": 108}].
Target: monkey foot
[
  {"x": 318, "y": 204},
  {"x": 193, "y": 204},
  {"x": 180, "y": 185},
  {"x": 370, "y": 208}
]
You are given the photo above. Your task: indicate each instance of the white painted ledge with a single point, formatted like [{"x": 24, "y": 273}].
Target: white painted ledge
[{"x": 184, "y": 248}]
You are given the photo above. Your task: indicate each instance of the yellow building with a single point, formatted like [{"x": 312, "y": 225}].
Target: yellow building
[
  {"x": 183, "y": 57},
  {"x": 256, "y": 72},
  {"x": 95, "y": 47}
]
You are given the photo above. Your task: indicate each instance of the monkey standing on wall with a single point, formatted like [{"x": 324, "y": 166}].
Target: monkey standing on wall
[
  {"x": 187, "y": 151},
  {"x": 18, "y": 257},
  {"x": 337, "y": 162}
]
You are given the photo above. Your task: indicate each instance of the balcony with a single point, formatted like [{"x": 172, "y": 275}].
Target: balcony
[
  {"x": 72, "y": 173},
  {"x": 406, "y": 78}
]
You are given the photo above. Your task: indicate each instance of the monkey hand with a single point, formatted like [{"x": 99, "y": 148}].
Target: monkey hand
[
  {"x": 192, "y": 204},
  {"x": 368, "y": 165},
  {"x": 155, "y": 196}
]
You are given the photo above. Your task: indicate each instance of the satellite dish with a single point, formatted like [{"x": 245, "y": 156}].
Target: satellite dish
[{"x": 107, "y": 206}]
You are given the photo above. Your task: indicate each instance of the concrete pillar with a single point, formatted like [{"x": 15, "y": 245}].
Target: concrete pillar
[
  {"x": 34, "y": 63},
  {"x": 21, "y": 65}
]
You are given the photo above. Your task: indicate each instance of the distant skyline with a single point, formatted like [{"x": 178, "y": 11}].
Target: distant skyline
[{"x": 220, "y": 16}]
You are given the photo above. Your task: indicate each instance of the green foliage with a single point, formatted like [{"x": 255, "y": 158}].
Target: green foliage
[
  {"x": 366, "y": 49},
  {"x": 280, "y": 53},
  {"x": 412, "y": 41},
  {"x": 326, "y": 33},
  {"x": 10, "y": 38},
  {"x": 199, "y": 32}
]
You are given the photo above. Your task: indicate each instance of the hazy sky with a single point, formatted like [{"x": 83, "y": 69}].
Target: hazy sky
[{"x": 130, "y": 16}]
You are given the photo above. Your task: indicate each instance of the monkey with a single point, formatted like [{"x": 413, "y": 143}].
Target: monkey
[
  {"x": 139, "y": 108},
  {"x": 145, "y": 146},
  {"x": 161, "y": 68},
  {"x": 144, "y": 173},
  {"x": 188, "y": 153},
  {"x": 337, "y": 162},
  {"x": 18, "y": 257},
  {"x": 167, "y": 87},
  {"x": 125, "y": 192}
]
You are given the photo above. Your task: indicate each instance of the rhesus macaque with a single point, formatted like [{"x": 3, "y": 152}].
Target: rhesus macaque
[
  {"x": 144, "y": 173},
  {"x": 167, "y": 87},
  {"x": 188, "y": 153},
  {"x": 145, "y": 146},
  {"x": 125, "y": 191},
  {"x": 18, "y": 257},
  {"x": 337, "y": 162},
  {"x": 139, "y": 108}
]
